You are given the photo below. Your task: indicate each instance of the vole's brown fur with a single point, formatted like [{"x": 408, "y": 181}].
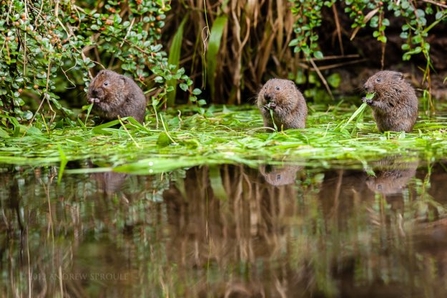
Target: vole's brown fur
[
  {"x": 394, "y": 105},
  {"x": 285, "y": 101},
  {"x": 116, "y": 95}
]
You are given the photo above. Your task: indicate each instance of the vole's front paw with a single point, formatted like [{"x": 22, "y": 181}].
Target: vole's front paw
[
  {"x": 270, "y": 106},
  {"x": 367, "y": 101}
]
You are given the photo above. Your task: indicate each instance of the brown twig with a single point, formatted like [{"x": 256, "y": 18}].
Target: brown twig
[
  {"x": 338, "y": 28},
  {"x": 435, "y": 3},
  {"x": 320, "y": 75}
]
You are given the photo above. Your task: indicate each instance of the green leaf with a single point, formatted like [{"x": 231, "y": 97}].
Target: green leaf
[
  {"x": 163, "y": 140},
  {"x": 416, "y": 39},
  {"x": 158, "y": 79},
  {"x": 318, "y": 55},
  {"x": 420, "y": 13},
  {"x": 293, "y": 42},
  {"x": 3, "y": 134},
  {"x": 334, "y": 80},
  {"x": 214, "y": 42},
  {"x": 357, "y": 113},
  {"x": 183, "y": 86},
  {"x": 196, "y": 91},
  {"x": 174, "y": 59},
  {"x": 63, "y": 163},
  {"x": 370, "y": 95}
]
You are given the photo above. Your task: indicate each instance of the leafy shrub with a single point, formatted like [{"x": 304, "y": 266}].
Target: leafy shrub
[
  {"x": 48, "y": 49},
  {"x": 374, "y": 13},
  {"x": 413, "y": 15}
]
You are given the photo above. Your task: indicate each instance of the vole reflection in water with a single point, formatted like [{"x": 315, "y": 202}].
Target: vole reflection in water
[
  {"x": 392, "y": 175},
  {"x": 277, "y": 175}
]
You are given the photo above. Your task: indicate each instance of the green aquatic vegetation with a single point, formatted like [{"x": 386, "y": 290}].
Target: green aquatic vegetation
[
  {"x": 273, "y": 118},
  {"x": 357, "y": 114},
  {"x": 336, "y": 136}
]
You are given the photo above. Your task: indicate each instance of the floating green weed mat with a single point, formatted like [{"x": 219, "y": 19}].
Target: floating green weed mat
[
  {"x": 158, "y": 165},
  {"x": 222, "y": 135},
  {"x": 163, "y": 140}
]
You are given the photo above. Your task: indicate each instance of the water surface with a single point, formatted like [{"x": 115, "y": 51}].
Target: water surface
[{"x": 375, "y": 230}]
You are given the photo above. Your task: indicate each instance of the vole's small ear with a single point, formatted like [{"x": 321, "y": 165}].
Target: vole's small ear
[
  {"x": 101, "y": 73},
  {"x": 399, "y": 76}
]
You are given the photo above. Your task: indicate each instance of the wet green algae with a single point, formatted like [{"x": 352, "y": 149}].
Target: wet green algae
[{"x": 343, "y": 134}]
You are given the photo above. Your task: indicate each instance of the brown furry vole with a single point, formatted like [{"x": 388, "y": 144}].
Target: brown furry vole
[
  {"x": 394, "y": 104},
  {"x": 281, "y": 99},
  {"x": 116, "y": 95}
]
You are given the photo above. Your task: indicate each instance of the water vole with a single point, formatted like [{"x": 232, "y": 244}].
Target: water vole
[
  {"x": 393, "y": 101},
  {"x": 116, "y": 95},
  {"x": 282, "y": 104}
]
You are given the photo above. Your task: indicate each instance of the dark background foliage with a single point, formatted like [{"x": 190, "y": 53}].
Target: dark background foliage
[{"x": 227, "y": 49}]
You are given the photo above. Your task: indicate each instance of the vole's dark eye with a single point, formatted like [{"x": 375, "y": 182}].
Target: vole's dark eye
[
  {"x": 277, "y": 88},
  {"x": 378, "y": 80},
  {"x": 106, "y": 83}
]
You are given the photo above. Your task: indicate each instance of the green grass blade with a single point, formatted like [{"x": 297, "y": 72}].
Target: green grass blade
[
  {"x": 213, "y": 49},
  {"x": 63, "y": 163},
  {"x": 358, "y": 112},
  {"x": 174, "y": 59}
]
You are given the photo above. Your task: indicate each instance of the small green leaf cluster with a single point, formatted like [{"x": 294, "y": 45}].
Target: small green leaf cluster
[
  {"x": 355, "y": 11},
  {"x": 375, "y": 16},
  {"x": 415, "y": 30},
  {"x": 308, "y": 19}
]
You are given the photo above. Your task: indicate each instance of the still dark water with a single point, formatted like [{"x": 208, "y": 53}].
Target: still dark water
[{"x": 226, "y": 231}]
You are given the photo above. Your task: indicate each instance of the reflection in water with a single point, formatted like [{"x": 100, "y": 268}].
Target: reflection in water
[
  {"x": 227, "y": 231},
  {"x": 391, "y": 175},
  {"x": 109, "y": 183},
  {"x": 276, "y": 175}
]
